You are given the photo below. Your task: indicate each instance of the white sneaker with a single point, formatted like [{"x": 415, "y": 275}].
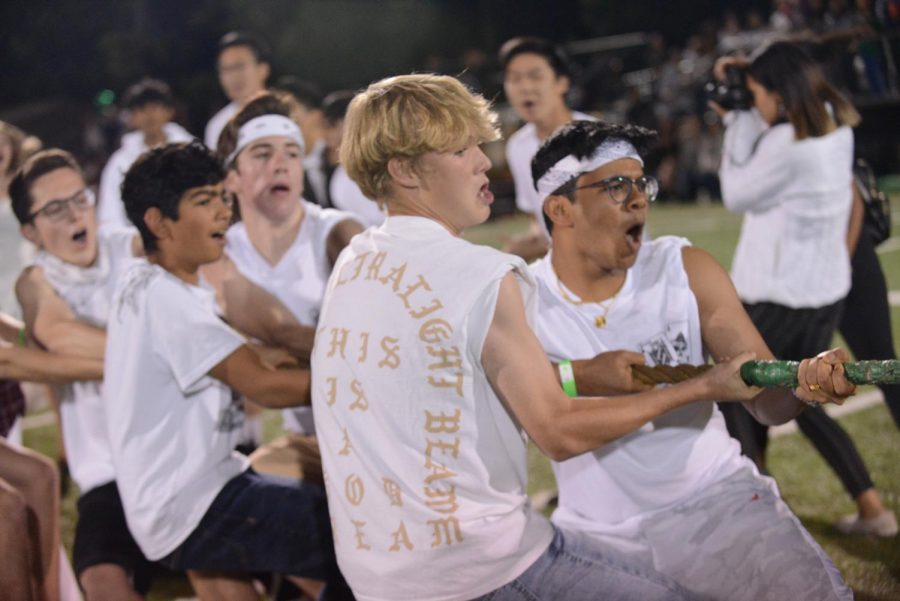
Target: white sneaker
[{"x": 885, "y": 525}]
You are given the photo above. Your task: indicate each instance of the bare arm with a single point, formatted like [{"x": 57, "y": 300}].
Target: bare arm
[
  {"x": 339, "y": 237},
  {"x": 33, "y": 365},
  {"x": 563, "y": 427},
  {"x": 608, "y": 373},
  {"x": 727, "y": 331},
  {"x": 50, "y": 321},
  {"x": 255, "y": 311},
  {"x": 244, "y": 371}
]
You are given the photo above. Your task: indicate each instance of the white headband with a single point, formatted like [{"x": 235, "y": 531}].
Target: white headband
[
  {"x": 569, "y": 167},
  {"x": 263, "y": 127}
]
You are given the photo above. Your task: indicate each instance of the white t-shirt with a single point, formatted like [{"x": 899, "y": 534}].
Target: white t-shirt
[
  {"x": 217, "y": 124},
  {"x": 297, "y": 280},
  {"x": 425, "y": 470},
  {"x": 611, "y": 489},
  {"x": 16, "y": 252},
  {"x": 520, "y": 149},
  {"x": 172, "y": 426},
  {"x": 110, "y": 209},
  {"x": 346, "y": 196},
  {"x": 88, "y": 292},
  {"x": 796, "y": 199}
]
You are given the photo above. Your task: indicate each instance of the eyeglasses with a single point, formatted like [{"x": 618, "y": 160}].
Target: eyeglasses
[
  {"x": 56, "y": 210},
  {"x": 620, "y": 188}
]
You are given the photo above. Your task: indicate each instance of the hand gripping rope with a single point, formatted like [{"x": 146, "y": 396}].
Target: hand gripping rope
[{"x": 771, "y": 374}]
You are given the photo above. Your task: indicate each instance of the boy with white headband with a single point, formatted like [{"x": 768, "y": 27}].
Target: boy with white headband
[
  {"x": 282, "y": 243},
  {"x": 424, "y": 396},
  {"x": 676, "y": 493}
]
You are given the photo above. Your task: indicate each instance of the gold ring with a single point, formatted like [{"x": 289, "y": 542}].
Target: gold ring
[{"x": 814, "y": 387}]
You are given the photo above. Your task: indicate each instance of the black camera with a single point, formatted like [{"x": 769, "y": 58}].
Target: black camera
[{"x": 732, "y": 93}]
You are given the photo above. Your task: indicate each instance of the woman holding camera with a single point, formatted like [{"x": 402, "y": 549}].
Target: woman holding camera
[{"x": 787, "y": 166}]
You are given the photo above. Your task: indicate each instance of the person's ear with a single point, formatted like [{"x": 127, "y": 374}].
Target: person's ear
[
  {"x": 157, "y": 223},
  {"x": 232, "y": 181},
  {"x": 564, "y": 83},
  {"x": 403, "y": 173},
  {"x": 559, "y": 209},
  {"x": 31, "y": 233}
]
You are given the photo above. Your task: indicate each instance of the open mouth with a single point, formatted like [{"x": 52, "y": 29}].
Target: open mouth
[
  {"x": 80, "y": 236},
  {"x": 529, "y": 104},
  {"x": 279, "y": 189},
  {"x": 634, "y": 234},
  {"x": 485, "y": 193},
  {"x": 219, "y": 235}
]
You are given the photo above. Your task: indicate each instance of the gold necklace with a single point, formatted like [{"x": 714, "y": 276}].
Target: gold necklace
[{"x": 599, "y": 320}]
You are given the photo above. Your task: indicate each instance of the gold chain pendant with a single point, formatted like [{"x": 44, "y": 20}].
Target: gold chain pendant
[{"x": 600, "y": 321}]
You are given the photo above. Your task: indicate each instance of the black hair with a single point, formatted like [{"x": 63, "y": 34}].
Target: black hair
[
  {"x": 161, "y": 176},
  {"x": 335, "y": 105},
  {"x": 246, "y": 39},
  {"x": 148, "y": 91},
  {"x": 786, "y": 68},
  {"x": 304, "y": 92},
  {"x": 532, "y": 45},
  {"x": 37, "y": 166},
  {"x": 581, "y": 139}
]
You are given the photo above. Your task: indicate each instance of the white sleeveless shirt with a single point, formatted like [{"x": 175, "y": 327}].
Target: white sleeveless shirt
[
  {"x": 425, "y": 470},
  {"x": 297, "y": 280},
  {"x": 88, "y": 292},
  {"x": 675, "y": 455}
]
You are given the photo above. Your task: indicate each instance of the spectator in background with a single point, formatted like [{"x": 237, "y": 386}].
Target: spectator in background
[
  {"x": 787, "y": 168},
  {"x": 150, "y": 108},
  {"x": 305, "y": 101},
  {"x": 243, "y": 66},
  {"x": 343, "y": 193},
  {"x": 536, "y": 80}
]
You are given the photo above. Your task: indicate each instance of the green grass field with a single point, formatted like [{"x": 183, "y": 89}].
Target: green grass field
[{"x": 870, "y": 566}]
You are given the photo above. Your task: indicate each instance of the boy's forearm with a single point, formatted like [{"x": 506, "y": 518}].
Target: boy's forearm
[
  {"x": 774, "y": 406},
  {"x": 283, "y": 388},
  {"x": 33, "y": 365}
]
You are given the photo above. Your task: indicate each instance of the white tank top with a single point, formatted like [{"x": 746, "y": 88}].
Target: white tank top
[
  {"x": 88, "y": 292},
  {"x": 669, "y": 458},
  {"x": 297, "y": 280},
  {"x": 425, "y": 470}
]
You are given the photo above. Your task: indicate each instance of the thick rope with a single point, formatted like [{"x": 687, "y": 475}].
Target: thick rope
[{"x": 771, "y": 374}]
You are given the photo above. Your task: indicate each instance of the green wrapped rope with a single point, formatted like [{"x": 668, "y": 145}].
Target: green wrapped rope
[{"x": 783, "y": 374}]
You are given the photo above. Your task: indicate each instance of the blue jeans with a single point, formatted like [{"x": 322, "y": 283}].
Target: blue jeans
[{"x": 575, "y": 568}]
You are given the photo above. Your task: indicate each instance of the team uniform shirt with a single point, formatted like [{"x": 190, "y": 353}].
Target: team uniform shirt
[
  {"x": 172, "y": 426},
  {"x": 425, "y": 470},
  {"x": 520, "y": 149},
  {"x": 796, "y": 199},
  {"x": 297, "y": 280},
  {"x": 346, "y": 196},
  {"x": 611, "y": 489},
  {"x": 88, "y": 292},
  {"x": 111, "y": 210},
  {"x": 217, "y": 124}
]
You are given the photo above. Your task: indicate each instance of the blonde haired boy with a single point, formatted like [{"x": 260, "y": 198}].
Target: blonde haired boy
[{"x": 424, "y": 400}]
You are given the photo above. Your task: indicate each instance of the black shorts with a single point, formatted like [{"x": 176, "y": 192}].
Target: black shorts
[{"x": 102, "y": 536}]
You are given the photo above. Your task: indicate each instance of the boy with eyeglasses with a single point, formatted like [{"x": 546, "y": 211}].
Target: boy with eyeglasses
[
  {"x": 65, "y": 297},
  {"x": 675, "y": 493}
]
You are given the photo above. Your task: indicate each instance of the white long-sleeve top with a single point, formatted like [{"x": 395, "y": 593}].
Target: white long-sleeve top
[{"x": 796, "y": 199}]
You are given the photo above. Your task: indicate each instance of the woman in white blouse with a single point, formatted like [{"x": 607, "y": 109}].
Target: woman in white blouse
[{"x": 786, "y": 166}]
